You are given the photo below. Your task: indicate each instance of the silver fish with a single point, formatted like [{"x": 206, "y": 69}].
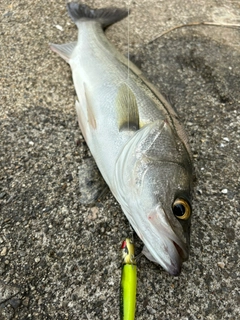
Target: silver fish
[{"x": 135, "y": 137}]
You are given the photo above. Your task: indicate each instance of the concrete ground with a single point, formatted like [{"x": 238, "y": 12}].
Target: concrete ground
[{"x": 60, "y": 259}]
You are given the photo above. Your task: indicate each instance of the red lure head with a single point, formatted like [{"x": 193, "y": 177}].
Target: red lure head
[
  {"x": 127, "y": 252},
  {"x": 124, "y": 244}
]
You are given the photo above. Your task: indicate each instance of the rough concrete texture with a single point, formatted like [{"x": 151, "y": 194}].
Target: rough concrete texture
[{"x": 60, "y": 259}]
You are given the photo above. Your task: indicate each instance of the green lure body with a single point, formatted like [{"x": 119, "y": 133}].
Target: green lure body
[{"x": 128, "y": 282}]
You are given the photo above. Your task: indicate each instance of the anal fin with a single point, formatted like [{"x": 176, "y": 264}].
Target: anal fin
[{"x": 85, "y": 113}]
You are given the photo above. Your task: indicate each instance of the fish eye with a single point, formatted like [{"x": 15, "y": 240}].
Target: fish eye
[{"x": 181, "y": 209}]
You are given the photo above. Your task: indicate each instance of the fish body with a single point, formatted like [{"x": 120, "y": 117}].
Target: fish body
[
  {"x": 135, "y": 137},
  {"x": 128, "y": 281}
]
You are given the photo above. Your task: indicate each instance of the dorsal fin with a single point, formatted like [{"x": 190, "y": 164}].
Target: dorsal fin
[
  {"x": 64, "y": 50},
  {"x": 127, "y": 109}
]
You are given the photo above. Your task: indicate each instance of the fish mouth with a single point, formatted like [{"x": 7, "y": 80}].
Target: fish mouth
[
  {"x": 164, "y": 244},
  {"x": 180, "y": 251},
  {"x": 168, "y": 253},
  {"x": 177, "y": 255},
  {"x": 175, "y": 269}
]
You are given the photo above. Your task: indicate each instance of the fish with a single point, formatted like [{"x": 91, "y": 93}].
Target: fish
[
  {"x": 128, "y": 288},
  {"x": 134, "y": 135}
]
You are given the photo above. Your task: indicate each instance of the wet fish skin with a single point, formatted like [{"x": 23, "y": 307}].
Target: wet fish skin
[{"x": 134, "y": 135}]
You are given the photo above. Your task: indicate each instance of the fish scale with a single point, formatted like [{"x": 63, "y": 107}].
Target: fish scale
[{"x": 135, "y": 137}]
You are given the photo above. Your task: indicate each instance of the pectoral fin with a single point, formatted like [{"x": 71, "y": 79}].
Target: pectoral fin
[{"x": 127, "y": 109}]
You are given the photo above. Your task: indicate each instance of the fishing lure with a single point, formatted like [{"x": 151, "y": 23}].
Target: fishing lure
[{"x": 128, "y": 281}]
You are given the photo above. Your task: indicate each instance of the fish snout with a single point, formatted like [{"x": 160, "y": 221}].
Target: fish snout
[
  {"x": 178, "y": 253},
  {"x": 164, "y": 244}
]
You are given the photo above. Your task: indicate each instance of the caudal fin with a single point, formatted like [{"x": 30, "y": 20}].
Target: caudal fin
[{"x": 105, "y": 16}]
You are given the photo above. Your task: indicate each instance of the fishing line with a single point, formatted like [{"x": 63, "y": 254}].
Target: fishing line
[
  {"x": 128, "y": 55},
  {"x": 129, "y": 3}
]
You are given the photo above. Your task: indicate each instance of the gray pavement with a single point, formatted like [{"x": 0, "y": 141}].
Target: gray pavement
[{"x": 60, "y": 259}]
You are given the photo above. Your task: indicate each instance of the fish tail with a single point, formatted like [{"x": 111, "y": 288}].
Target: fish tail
[{"x": 105, "y": 16}]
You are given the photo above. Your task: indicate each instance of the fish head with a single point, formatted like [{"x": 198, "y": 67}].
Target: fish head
[
  {"x": 154, "y": 175},
  {"x": 164, "y": 215}
]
